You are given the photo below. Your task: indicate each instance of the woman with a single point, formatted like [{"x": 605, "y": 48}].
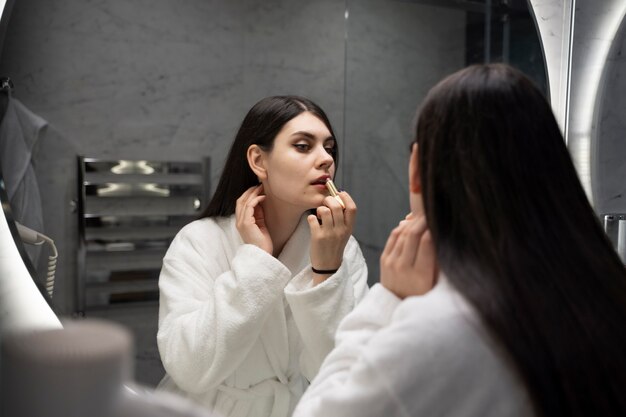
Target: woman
[
  {"x": 252, "y": 293},
  {"x": 527, "y": 312}
]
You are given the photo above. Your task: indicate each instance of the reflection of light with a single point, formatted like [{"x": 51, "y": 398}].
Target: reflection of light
[
  {"x": 122, "y": 189},
  {"x": 155, "y": 189},
  {"x": 196, "y": 203},
  {"x": 132, "y": 167},
  {"x": 597, "y": 45},
  {"x": 109, "y": 189}
]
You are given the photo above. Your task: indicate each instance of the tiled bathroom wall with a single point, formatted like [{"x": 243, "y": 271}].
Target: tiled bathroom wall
[
  {"x": 396, "y": 51},
  {"x": 158, "y": 79}
]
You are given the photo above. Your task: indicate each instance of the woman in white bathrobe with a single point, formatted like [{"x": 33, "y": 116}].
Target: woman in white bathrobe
[
  {"x": 252, "y": 293},
  {"x": 527, "y": 313}
]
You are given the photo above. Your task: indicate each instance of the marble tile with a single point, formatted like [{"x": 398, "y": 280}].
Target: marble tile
[
  {"x": 171, "y": 80},
  {"x": 396, "y": 52},
  {"x": 159, "y": 79}
]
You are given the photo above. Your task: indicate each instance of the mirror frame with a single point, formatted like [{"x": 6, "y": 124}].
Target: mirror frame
[
  {"x": 576, "y": 57},
  {"x": 25, "y": 305}
]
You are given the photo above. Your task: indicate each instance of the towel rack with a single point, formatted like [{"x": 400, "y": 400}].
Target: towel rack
[{"x": 128, "y": 213}]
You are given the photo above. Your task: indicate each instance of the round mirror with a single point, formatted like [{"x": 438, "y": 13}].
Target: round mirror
[{"x": 159, "y": 89}]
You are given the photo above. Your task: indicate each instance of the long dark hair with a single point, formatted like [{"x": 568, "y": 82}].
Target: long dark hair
[
  {"x": 516, "y": 235},
  {"x": 260, "y": 127}
]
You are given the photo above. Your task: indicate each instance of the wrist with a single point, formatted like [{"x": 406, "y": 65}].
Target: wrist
[{"x": 324, "y": 271}]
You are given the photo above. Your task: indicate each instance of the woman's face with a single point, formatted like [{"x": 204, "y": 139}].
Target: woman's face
[{"x": 300, "y": 162}]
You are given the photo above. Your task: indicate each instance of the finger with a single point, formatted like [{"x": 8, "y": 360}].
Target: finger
[
  {"x": 394, "y": 236},
  {"x": 259, "y": 214},
  {"x": 314, "y": 224},
  {"x": 347, "y": 200},
  {"x": 391, "y": 241},
  {"x": 247, "y": 211},
  {"x": 350, "y": 210},
  {"x": 324, "y": 214},
  {"x": 245, "y": 196},
  {"x": 335, "y": 209},
  {"x": 412, "y": 234},
  {"x": 241, "y": 203},
  {"x": 409, "y": 216},
  {"x": 426, "y": 262},
  {"x": 255, "y": 203}
]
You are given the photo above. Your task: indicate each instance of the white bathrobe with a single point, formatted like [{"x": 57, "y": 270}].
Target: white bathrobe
[
  {"x": 242, "y": 332},
  {"x": 421, "y": 356}
]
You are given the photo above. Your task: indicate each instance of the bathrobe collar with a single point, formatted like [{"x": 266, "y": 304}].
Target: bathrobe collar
[{"x": 295, "y": 255}]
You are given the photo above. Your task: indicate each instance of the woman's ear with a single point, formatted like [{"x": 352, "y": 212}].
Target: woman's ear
[
  {"x": 415, "y": 184},
  {"x": 256, "y": 160}
]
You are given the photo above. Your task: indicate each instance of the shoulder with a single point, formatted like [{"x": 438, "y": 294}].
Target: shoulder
[
  {"x": 203, "y": 234},
  {"x": 204, "y": 225},
  {"x": 443, "y": 347},
  {"x": 448, "y": 319}
]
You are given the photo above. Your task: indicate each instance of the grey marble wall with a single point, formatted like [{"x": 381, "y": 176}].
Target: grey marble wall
[
  {"x": 396, "y": 51},
  {"x": 160, "y": 80}
]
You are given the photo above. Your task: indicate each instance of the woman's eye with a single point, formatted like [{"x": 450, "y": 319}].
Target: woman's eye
[
  {"x": 330, "y": 149},
  {"x": 303, "y": 147}
]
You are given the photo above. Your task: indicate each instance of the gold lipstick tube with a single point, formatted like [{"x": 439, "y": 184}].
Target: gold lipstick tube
[{"x": 333, "y": 192}]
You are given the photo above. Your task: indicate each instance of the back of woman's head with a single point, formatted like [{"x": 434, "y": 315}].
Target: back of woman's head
[
  {"x": 260, "y": 127},
  {"x": 517, "y": 236}
]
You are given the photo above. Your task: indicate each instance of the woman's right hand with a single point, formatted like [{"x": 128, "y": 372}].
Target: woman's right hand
[
  {"x": 408, "y": 264},
  {"x": 251, "y": 219}
]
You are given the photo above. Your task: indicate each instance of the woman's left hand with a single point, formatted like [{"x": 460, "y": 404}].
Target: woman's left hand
[
  {"x": 329, "y": 239},
  {"x": 408, "y": 264}
]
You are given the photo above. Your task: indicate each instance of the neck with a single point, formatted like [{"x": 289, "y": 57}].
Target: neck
[{"x": 281, "y": 222}]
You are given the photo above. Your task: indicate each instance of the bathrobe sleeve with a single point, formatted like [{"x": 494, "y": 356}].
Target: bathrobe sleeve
[
  {"x": 211, "y": 313},
  {"x": 317, "y": 310},
  {"x": 346, "y": 385},
  {"x": 421, "y": 356}
]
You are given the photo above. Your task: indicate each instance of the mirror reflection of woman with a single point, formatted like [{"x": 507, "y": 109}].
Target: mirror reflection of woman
[
  {"x": 252, "y": 293},
  {"x": 500, "y": 294}
]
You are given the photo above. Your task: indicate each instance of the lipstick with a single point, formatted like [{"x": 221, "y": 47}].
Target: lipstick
[{"x": 333, "y": 192}]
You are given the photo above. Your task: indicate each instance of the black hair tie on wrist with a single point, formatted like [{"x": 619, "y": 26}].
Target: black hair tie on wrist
[{"x": 324, "y": 271}]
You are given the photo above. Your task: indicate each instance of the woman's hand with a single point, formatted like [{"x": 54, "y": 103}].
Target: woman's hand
[
  {"x": 329, "y": 239},
  {"x": 251, "y": 220},
  {"x": 408, "y": 265}
]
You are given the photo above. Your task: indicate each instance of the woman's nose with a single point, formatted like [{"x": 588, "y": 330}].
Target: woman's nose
[{"x": 324, "y": 159}]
